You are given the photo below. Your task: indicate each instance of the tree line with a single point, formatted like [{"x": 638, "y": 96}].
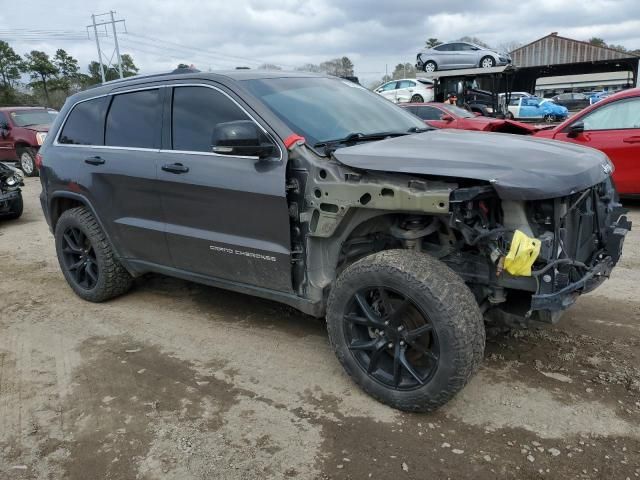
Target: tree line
[{"x": 52, "y": 77}]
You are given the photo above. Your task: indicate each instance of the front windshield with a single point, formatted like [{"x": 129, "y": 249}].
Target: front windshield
[
  {"x": 323, "y": 109},
  {"x": 26, "y": 118},
  {"x": 457, "y": 111}
]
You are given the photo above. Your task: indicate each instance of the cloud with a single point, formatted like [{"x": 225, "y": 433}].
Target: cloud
[{"x": 223, "y": 34}]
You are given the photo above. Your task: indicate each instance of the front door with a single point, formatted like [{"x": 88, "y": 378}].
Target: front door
[
  {"x": 226, "y": 216},
  {"x": 614, "y": 129},
  {"x": 389, "y": 91}
]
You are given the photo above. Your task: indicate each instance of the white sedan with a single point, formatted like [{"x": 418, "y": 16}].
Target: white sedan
[{"x": 414, "y": 90}]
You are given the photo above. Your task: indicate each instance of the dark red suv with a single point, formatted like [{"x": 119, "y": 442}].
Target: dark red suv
[{"x": 22, "y": 131}]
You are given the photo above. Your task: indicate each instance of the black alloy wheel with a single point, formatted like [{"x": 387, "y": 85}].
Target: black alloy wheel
[
  {"x": 79, "y": 258},
  {"x": 391, "y": 338}
]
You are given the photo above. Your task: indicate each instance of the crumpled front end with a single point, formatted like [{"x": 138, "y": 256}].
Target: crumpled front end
[
  {"x": 534, "y": 259},
  {"x": 590, "y": 228}
]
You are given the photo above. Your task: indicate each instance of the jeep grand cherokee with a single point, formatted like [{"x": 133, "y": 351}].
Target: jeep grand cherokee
[{"x": 319, "y": 194}]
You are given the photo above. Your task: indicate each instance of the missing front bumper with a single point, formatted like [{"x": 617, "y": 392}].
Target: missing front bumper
[{"x": 565, "y": 297}]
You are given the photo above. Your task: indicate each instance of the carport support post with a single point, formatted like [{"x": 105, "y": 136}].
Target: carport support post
[{"x": 95, "y": 32}]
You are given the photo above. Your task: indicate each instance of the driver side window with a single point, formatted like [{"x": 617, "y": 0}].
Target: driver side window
[
  {"x": 195, "y": 113},
  {"x": 623, "y": 114},
  {"x": 389, "y": 86}
]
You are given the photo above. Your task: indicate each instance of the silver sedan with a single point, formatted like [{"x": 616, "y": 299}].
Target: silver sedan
[{"x": 450, "y": 56}]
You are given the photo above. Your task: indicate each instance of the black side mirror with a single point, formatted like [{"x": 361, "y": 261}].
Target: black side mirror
[
  {"x": 5, "y": 126},
  {"x": 575, "y": 130},
  {"x": 241, "y": 138}
]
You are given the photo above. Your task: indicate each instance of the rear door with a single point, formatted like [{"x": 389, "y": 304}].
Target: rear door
[
  {"x": 614, "y": 128},
  {"x": 109, "y": 144},
  {"x": 227, "y": 216},
  {"x": 404, "y": 90}
]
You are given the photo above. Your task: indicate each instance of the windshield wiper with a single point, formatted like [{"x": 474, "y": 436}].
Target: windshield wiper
[{"x": 359, "y": 137}]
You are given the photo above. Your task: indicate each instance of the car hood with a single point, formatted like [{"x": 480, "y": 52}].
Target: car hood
[
  {"x": 38, "y": 128},
  {"x": 519, "y": 167}
]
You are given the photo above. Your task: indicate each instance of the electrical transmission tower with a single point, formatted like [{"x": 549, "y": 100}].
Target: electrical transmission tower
[{"x": 103, "y": 55}]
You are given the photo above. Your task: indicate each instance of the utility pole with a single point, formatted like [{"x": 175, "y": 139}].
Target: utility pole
[
  {"x": 94, "y": 25},
  {"x": 95, "y": 33},
  {"x": 115, "y": 39}
]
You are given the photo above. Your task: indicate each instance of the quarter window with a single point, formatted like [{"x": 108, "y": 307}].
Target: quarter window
[
  {"x": 134, "y": 120},
  {"x": 619, "y": 115},
  {"x": 85, "y": 125},
  {"x": 196, "y": 112}
]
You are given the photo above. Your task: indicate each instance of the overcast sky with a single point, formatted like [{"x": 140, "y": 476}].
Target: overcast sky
[{"x": 224, "y": 34}]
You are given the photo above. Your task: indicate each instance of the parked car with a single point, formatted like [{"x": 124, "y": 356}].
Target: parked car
[
  {"x": 453, "y": 55},
  {"x": 10, "y": 193},
  {"x": 22, "y": 131},
  {"x": 595, "y": 97},
  {"x": 572, "y": 101},
  {"x": 317, "y": 193},
  {"x": 534, "y": 108},
  {"x": 407, "y": 90},
  {"x": 613, "y": 126},
  {"x": 442, "y": 115}
]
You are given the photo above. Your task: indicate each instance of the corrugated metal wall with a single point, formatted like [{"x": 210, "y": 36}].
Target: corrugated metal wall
[{"x": 554, "y": 50}]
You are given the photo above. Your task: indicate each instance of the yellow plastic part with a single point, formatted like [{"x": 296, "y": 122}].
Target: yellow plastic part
[{"x": 523, "y": 252}]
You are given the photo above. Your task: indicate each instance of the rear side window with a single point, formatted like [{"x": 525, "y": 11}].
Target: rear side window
[
  {"x": 196, "y": 111},
  {"x": 85, "y": 124},
  {"x": 134, "y": 120}
]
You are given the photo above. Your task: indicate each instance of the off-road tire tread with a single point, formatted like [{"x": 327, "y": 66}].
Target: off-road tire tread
[
  {"x": 114, "y": 279},
  {"x": 450, "y": 296}
]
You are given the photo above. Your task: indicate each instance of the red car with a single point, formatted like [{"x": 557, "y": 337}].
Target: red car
[
  {"x": 613, "y": 126},
  {"x": 443, "y": 115},
  {"x": 22, "y": 131}
]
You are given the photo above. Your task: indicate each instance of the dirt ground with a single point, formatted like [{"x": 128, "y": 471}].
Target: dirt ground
[{"x": 181, "y": 381}]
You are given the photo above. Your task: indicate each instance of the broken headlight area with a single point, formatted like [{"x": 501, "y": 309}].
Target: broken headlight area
[{"x": 531, "y": 260}]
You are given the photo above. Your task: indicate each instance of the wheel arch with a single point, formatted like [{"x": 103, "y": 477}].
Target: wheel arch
[
  {"x": 323, "y": 257},
  {"x": 62, "y": 201}
]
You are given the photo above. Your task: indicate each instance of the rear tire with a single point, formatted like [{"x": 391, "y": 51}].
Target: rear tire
[
  {"x": 509, "y": 116},
  {"x": 428, "y": 297},
  {"x": 87, "y": 259},
  {"x": 27, "y": 161},
  {"x": 417, "y": 99},
  {"x": 430, "y": 66}
]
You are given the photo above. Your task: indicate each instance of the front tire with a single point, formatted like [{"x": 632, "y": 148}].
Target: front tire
[
  {"x": 430, "y": 66},
  {"x": 487, "y": 62},
  {"x": 417, "y": 99},
  {"x": 87, "y": 259},
  {"x": 433, "y": 339},
  {"x": 27, "y": 160},
  {"x": 509, "y": 116}
]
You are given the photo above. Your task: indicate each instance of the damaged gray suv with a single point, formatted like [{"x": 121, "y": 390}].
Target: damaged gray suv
[{"x": 314, "y": 192}]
